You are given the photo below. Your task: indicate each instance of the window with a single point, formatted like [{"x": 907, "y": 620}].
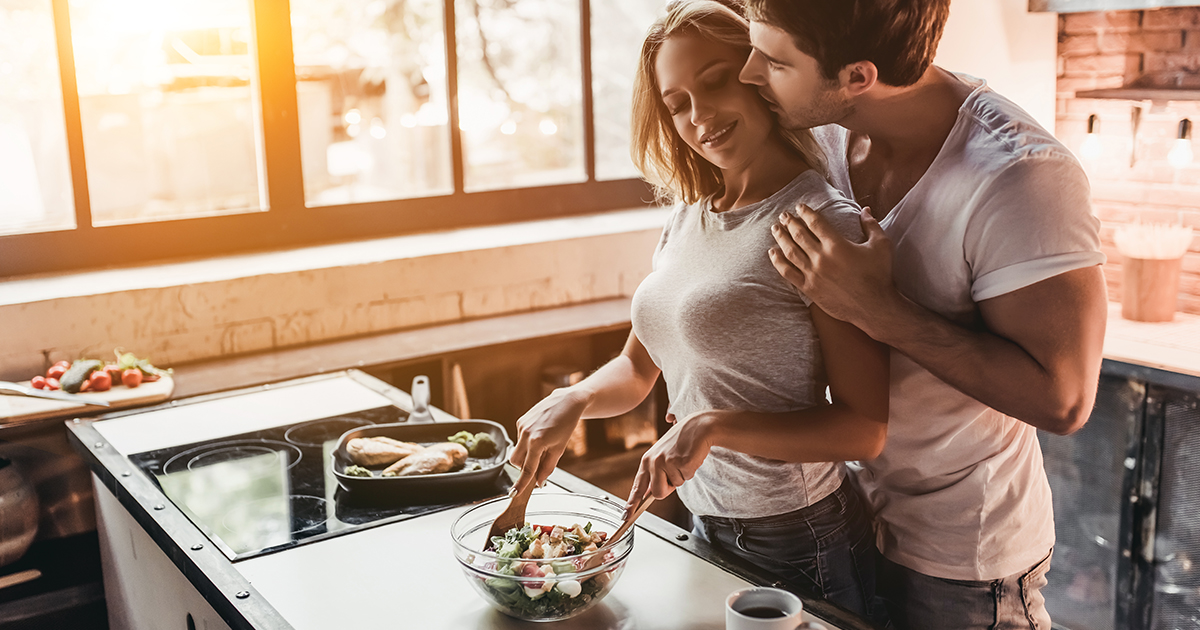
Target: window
[
  {"x": 371, "y": 92},
  {"x": 618, "y": 29},
  {"x": 520, "y": 92},
  {"x": 141, "y": 130},
  {"x": 166, "y": 101},
  {"x": 35, "y": 171}
]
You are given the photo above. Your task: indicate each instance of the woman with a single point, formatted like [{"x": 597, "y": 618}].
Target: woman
[{"x": 757, "y": 454}]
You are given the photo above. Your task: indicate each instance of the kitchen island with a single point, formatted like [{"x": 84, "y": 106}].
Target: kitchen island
[{"x": 175, "y": 556}]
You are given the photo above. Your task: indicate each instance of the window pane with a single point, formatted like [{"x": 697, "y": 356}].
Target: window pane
[
  {"x": 618, "y": 28},
  {"x": 168, "y": 101},
  {"x": 371, "y": 89},
  {"x": 520, "y": 92},
  {"x": 35, "y": 170}
]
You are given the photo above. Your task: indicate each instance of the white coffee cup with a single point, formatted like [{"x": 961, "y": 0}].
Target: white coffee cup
[{"x": 762, "y": 608}]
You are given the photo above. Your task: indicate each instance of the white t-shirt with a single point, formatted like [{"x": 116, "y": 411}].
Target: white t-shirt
[
  {"x": 729, "y": 332},
  {"x": 959, "y": 491}
]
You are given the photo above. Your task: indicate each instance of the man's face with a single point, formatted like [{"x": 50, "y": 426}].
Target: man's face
[{"x": 791, "y": 81}]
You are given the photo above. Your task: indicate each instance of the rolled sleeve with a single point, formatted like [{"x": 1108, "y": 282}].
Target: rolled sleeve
[
  {"x": 1021, "y": 275},
  {"x": 1034, "y": 222}
]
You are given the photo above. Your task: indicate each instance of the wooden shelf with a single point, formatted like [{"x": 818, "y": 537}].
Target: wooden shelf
[
  {"x": 1143, "y": 94},
  {"x": 1161, "y": 87}
]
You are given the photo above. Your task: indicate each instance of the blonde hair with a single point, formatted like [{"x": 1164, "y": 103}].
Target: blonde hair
[{"x": 664, "y": 159}]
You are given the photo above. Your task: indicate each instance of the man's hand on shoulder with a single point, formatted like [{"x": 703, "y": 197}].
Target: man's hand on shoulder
[{"x": 849, "y": 281}]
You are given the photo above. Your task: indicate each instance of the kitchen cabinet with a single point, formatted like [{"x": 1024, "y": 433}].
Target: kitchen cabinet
[
  {"x": 169, "y": 563},
  {"x": 143, "y": 588},
  {"x": 1125, "y": 503}
]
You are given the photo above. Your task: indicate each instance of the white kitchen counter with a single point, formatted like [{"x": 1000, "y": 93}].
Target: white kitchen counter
[
  {"x": 1171, "y": 346},
  {"x": 161, "y": 570}
]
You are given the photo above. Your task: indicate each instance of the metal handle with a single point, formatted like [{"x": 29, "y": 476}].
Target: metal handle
[{"x": 420, "y": 399}]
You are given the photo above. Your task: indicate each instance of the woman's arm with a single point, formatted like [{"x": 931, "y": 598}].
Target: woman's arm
[
  {"x": 617, "y": 387},
  {"x": 853, "y": 427}
]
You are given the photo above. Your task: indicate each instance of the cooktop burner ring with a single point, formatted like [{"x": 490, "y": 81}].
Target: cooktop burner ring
[
  {"x": 304, "y": 513},
  {"x": 316, "y": 432},
  {"x": 232, "y": 450}
]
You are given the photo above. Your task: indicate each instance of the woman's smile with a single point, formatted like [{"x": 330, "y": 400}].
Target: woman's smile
[{"x": 719, "y": 137}]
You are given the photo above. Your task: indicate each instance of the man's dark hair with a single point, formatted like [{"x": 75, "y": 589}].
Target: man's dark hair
[{"x": 899, "y": 36}]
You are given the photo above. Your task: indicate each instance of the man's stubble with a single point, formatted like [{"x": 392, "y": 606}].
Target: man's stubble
[{"x": 827, "y": 106}]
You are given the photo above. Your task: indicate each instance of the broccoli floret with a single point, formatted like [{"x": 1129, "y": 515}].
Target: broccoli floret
[
  {"x": 480, "y": 445},
  {"x": 484, "y": 447},
  {"x": 463, "y": 437},
  {"x": 356, "y": 471}
]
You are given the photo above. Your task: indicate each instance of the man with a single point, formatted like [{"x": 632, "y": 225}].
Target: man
[{"x": 981, "y": 270}]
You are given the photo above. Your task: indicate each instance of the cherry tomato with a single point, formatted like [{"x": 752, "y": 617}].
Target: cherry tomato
[
  {"x": 56, "y": 371},
  {"x": 131, "y": 378},
  {"x": 114, "y": 371},
  {"x": 38, "y": 382},
  {"x": 99, "y": 381},
  {"x": 65, "y": 364},
  {"x": 52, "y": 383}
]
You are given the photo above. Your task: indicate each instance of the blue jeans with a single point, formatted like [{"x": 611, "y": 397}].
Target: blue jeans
[
  {"x": 826, "y": 549},
  {"x": 922, "y": 602}
]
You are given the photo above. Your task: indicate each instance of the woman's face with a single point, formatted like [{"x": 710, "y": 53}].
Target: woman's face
[{"x": 720, "y": 118}]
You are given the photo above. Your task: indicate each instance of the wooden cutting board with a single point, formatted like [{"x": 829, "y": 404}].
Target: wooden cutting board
[{"x": 16, "y": 410}]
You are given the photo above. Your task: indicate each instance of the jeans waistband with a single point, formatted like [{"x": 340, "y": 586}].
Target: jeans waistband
[{"x": 834, "y": 501}]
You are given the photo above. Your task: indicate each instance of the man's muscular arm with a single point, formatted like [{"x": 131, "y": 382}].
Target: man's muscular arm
[{"x": 1038, "y": 360}]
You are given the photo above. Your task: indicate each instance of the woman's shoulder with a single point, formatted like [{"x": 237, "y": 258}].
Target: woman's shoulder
[{"x": 814, "y": 191}]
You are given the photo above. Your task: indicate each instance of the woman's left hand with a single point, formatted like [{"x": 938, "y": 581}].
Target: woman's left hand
[{"x": 674, "y": 458}]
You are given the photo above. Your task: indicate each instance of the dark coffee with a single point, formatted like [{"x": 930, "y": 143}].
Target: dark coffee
[{"x": 762, "y": 612}]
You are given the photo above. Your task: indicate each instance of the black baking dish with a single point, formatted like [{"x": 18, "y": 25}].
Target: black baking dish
[{"x": 425, "y": 487}]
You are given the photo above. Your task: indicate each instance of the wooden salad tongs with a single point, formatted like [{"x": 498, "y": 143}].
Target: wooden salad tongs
[
  {"x": 513, "y": 516},
  {"x": 597, "y": 557}
]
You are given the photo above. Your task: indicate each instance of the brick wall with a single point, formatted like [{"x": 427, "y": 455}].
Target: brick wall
[{"x": 1106, "y": 50}]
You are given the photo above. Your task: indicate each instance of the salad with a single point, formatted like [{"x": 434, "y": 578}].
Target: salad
[{"x": 533, "y": 559}]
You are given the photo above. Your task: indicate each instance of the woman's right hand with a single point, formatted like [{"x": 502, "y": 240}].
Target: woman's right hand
[{"x": 543, "y": 433}]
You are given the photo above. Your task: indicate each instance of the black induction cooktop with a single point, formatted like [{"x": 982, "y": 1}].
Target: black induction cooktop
[{"x": 266, "y": 491}]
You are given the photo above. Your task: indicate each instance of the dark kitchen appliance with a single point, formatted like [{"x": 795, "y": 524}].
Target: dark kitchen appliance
[
  {"x": 1127, "y": 506},
  {"x": 273, "y": 489}
]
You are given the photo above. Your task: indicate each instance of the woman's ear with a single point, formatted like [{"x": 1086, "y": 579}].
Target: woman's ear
[{"x": 858, "y": 77}]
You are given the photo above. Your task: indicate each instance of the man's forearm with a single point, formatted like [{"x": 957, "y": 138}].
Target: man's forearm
[{"x": 989, "y": 368}]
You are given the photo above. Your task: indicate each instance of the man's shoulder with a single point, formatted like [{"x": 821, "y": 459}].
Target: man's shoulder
[{"x": 1001, "y": 131}]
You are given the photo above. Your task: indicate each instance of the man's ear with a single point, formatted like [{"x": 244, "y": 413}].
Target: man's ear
[{"x": 858, "y": 77}]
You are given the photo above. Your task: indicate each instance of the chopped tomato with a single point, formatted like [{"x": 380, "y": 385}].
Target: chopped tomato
[
  {"x": 99, "y": 381},
  {"x": 131, "y": 378}
]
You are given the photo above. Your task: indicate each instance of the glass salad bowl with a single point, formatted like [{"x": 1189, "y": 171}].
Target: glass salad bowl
[{"x": 544, "y": 588}]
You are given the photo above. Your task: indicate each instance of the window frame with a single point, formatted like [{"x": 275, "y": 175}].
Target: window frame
[{"x": 287, "y": 222}]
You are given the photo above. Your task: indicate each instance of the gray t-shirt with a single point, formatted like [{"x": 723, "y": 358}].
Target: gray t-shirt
[{"x": 729, "y": 332}]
